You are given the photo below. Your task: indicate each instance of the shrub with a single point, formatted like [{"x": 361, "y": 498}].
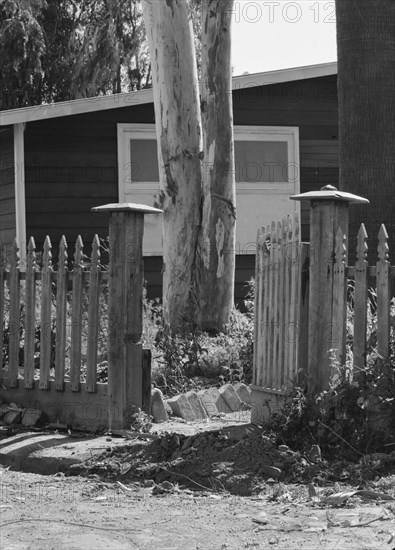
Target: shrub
[
  {"x": 195, "y": 358},
  {"x": 356, "y": 416}
]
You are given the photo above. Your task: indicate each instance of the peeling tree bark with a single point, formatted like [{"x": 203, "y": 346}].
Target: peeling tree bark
[
  {"x": 178, "y": 128},
  {"x": 198, "y": 235},
  {"x": 217, "y": 244}
]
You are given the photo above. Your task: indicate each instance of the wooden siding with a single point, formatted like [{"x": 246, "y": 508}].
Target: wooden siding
[
  {"x": 312, "y": 106},
  {"x": 7, "y": 188},
  {"x": 71, "y": 166},
  {"x": 71, "y": 162}
]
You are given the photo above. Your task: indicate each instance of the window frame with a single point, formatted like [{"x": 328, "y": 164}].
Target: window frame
[{"x": 289, "y": 134}]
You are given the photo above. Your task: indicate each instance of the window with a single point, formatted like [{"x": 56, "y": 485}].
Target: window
[{"x": 266, "y": 174}]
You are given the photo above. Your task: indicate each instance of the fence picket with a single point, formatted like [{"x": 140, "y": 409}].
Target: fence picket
[
  {"x": 76, "y": 317},
  {"x": 339, "y": 297},
  {"x": 281, "y": 227},
  {"x": 2, "y": 304},
  {"x": 61, "y": 313},
  {"x": 14, "y": 321},
  {"x": 93, "y": 316},
  {"x": 383, "y": 294},
  {"x": 30, "y": 314},
  {"x": 266, "y": 293},
  {"x": 294, "y": 328},
  {"x": 46, "y": 322},
  {"x": 258, "y": 302},
  {"x": 360, "y": 300},
  {"x": 288, "y": 294},
  {"x": 273, "y": 304}
]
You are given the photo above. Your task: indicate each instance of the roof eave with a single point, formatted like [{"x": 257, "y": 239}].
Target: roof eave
[{"x": 141, "y": 97}]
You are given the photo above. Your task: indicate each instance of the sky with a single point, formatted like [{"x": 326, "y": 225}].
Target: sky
[{"x": 277, "y": 34}]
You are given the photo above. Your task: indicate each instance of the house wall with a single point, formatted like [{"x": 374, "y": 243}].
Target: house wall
[
  {"x": 71, "y": 162},
  {"x": 71, "y": 166},
  {"x": 312, "y": 106},
  {"x": 7, "y": 187}
]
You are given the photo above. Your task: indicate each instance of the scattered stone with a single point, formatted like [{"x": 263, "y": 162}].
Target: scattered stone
[
  {"x": 181, "y": 407},
  {"x": 170, "y": 442},
  {"x": 208, "y": 399},
  {"x": 314, "y": 454},
  {"x": 176, "y": 461},
  {"x": 158, "y": 406},
  {"x": 31, "y": 417},
  {"x": 231, "y": 398},
  {"x": 196, "y": 405},
  {"x": 187, "y": 451},
  {"x": 164, "y": 487},
  {"x": 187, "y": 443},
  {"x": 15, "y": 407},
  {"x": 271, "y": 471},
  {"x": 148, "y": 483},
  {"x": 12, "y": 417},
  {"x": 244, "y": 393},
  {"x": 4, "y": 410}
]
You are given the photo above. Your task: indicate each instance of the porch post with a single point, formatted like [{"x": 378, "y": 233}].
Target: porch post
[
  {"x": 125, "y": 309},
  {"x": 327, "y": 280},
  {"x": 19, "y": 183}
]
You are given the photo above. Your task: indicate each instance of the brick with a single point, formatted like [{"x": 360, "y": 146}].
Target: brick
[
  {"x": 158, "y": 406},
  {"x": 208, "y": 401},
  {"x": 31, "y": 417},
  {"x": 196, "y": 405},
  {"x": 181, "y": 407},
  {"x": 213, "y": 402},
  {"x": 230, "y": 396},
  {"x": 244, "y": 393}
]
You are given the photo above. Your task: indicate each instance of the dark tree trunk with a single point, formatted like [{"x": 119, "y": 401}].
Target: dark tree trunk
[{"x": 366, "y": 85}]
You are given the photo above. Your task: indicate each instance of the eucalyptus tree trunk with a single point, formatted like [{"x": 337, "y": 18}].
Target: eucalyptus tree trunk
[
  {"x": 217, "y": 266},
  {"x": 366, "y": 86},
  {"x": 178, "y": 128}
]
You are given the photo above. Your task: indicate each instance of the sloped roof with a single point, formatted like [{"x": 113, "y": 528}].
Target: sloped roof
[{"x": 117, "y": 101}]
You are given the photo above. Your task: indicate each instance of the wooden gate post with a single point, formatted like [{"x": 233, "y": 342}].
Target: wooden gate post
[
  {"x": 125, "y": 309},
  {"x": 327, "y": 281}
]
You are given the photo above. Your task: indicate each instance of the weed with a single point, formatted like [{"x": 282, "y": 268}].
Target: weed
[{"x": 356, "y": 415}]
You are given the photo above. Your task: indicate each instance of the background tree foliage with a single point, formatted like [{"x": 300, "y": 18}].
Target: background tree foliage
[
  {"x": 57, "y": 50},
  {"x": 22, "y": 43},
  {"x": 109, "y": 48}
]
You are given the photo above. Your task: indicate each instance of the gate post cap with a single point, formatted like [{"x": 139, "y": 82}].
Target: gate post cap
[
  {"x": 127, "y": 207},
  {"x": 329, "y": 192}
]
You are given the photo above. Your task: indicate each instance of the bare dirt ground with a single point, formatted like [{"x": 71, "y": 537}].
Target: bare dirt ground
[
  {"x": 74, "y": 513},
  {"x": 201, "y": 487}
]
